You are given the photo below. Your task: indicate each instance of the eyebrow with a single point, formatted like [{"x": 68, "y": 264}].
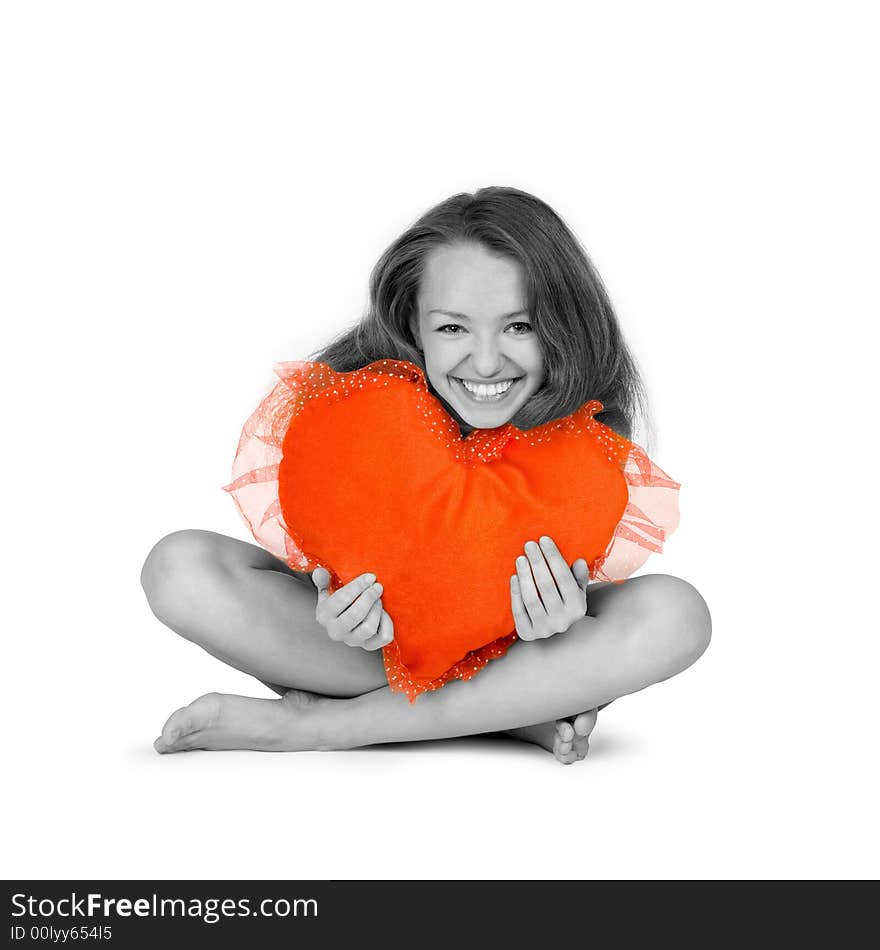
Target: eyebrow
[{"x": 464, "y": 316}]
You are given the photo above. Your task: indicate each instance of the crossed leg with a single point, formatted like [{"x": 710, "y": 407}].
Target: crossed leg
[{"x": 249, "y": 610}]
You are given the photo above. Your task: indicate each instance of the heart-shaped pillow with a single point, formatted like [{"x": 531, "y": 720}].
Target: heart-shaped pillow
[{"x": 366, "y": 471}]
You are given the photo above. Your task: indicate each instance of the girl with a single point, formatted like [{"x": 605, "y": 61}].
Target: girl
[{"x": 485, "y": 289}]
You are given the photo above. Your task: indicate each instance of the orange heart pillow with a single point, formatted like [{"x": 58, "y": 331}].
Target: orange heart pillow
[{"x": 366, "y": 471}]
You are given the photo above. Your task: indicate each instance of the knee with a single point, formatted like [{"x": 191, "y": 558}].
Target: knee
[
  {"x": 176, "y": 569},
  {"x": 677, "y": 616}
]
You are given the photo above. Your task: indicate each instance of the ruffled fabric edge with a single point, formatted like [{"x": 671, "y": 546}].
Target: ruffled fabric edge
[
  {"x": 650, "y": 516},
  {"x": 401, "y": 681}
]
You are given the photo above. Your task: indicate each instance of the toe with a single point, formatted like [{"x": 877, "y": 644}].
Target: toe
[
  {"x": 563, "y": 751},
  {"x": 172, "y": 733},
  {"x": 585, "y": 722},
  {"x": 581, "y": 746},
  {"x": 565, "y": 730},
  {"x": 186, "y": 722},
  {"x": 171, "y": 729}
]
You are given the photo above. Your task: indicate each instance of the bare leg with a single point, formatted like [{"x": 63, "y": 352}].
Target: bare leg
[
  {"x": 248, "y": 609},
  {"x": 643, "y": 632}
]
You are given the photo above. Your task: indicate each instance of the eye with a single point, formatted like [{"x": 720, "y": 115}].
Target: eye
[{"x": 524, "y": 328}]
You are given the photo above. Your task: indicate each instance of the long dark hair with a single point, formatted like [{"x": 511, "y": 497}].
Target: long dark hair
[{"x": 585, "y": 355}]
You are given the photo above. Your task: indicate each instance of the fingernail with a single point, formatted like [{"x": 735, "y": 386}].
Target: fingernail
[
  {"x": 544, "y": 539},
  {"x": 369, "y": 578}
]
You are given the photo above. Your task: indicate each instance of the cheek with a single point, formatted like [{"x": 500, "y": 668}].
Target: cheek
[
  {"x": 438, "y": 366},
  {"x": 536, "y": 383},
  {"x": 536, "y": 368},
  {"x": 437, "y": 372}
]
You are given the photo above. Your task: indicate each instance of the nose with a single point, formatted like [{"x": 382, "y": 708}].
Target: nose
[{"x": 487, "y": 357}]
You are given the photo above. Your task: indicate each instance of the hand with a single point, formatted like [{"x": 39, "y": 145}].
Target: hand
[
  {"x": 539, "y": 609},
  {"x": 353, "y": 614}
]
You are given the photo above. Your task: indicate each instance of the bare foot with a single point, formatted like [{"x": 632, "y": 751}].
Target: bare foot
[
  {"x": 222, "y": 721},
  {"x": 567, "y": 739}
]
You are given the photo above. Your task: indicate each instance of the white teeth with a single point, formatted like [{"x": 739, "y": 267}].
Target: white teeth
[{"x": 482, "y": 391}]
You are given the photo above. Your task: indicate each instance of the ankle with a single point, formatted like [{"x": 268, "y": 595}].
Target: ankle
[
  {"x": 331, "y": 724},
  {"x": 350, "y": 723}
]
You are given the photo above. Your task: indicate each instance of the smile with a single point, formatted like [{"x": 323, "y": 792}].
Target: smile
[{"x": 481, "y": 392}]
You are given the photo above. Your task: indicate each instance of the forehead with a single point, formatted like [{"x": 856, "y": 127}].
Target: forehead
[{"x": 470, "y": 279}]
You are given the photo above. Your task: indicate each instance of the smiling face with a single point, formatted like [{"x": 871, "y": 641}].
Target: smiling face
[{"x": 482, "y": 355}]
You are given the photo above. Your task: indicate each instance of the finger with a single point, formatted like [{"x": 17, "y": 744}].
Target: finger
[
  {"x": 347, "y": 594},
  {"x": 520, "y": 616},
  {"x": 383, "y": 637},
  {"x": 361, "y": 608},
  {"x": 529, "y": 593},
  {"x": 565, "y": 580},
  {"x": 543, "y": 578},
  {"x": 367, "y": 628},
  {"x": 581, "y": 573},
  {"x": 321, "y": 579}
]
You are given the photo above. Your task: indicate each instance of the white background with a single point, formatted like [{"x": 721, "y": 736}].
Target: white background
[{"x": 193, "y": 191}]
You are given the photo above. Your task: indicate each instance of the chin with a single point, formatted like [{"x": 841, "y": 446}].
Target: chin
[{"x": 488, "y": 419}]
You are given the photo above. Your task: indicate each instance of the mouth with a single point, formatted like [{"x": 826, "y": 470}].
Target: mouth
[{"x": 480, "y": 392}]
